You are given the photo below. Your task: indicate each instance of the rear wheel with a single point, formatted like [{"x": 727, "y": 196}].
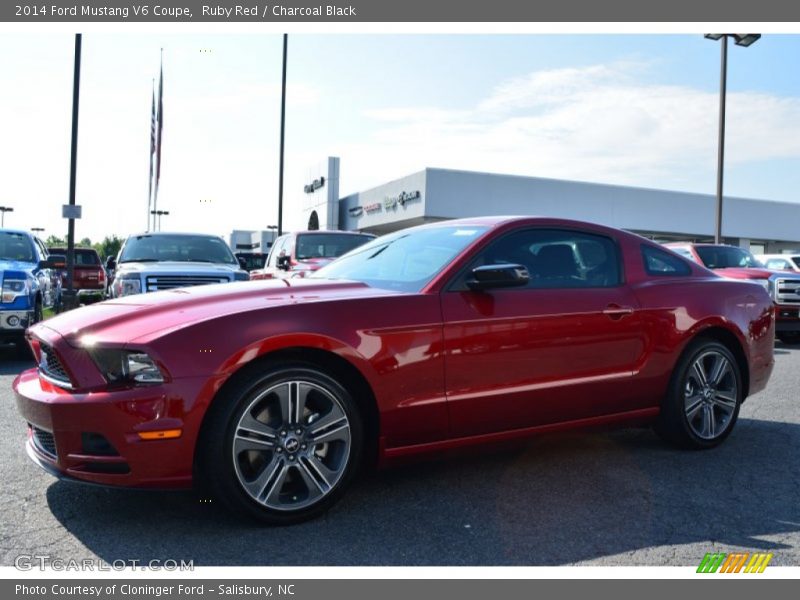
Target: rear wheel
[
  {"x": 704, "y": 396},
  {"x": 281, "y": 445},
  {"x": 789, "y": 337}
]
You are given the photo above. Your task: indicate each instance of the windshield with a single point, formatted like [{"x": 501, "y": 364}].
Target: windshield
[
  {"x": 83, "y": 257},
  {"x": 16, "y": 246},
  {"x": 328, "y": 245},
  {"x": 182, "y": 248},
  {"x": 726, "y": 257},
  {"x": 406, "y": 260}
]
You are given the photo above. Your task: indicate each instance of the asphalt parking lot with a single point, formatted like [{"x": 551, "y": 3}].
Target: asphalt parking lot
[{"x": 620, "y": 498}]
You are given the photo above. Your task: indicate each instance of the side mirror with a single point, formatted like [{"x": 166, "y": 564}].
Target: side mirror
[
  {"x": 283, "y": 262},
  {"x": 242, "y": 262},
  {"x": 54, "y": 261},
  {"x": 506, "y": 275},
  {"x": 111, "y": 263}
]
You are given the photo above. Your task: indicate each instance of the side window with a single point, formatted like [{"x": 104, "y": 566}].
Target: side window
[
  {"x": 662, "y": 262},
  {"x": 275, "y": 251},
  {"x": 778, "y": 264},
  {"x": 41, "y": 247},
  {"x": 555, "y": 258}
]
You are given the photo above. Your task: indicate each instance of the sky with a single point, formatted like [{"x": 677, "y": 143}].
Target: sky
[{"x": 624, "y": 109}]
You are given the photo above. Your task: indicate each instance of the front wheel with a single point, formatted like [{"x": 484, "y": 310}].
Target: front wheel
[
  {"x": 281, "y": 445},
  {"x": 703, "y": 399}
]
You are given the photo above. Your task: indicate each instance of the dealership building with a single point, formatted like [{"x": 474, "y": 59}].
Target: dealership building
[{"x": 439, "y": 194}]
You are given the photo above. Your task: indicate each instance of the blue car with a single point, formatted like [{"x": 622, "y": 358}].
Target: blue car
[{"x": 30, "y": 282}]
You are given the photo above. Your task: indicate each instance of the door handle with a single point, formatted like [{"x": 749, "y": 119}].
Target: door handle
[{"x": 615, "y": 311}]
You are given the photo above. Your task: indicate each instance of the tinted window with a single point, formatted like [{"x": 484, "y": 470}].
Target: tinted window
[
  {"x": 684, "y": 252},
  {"x": 181, "y": 248},
  {"x": 16, "y": 246},
  {"x": 83, "y": 256},
  {"x": 663, "y": 262},
  {"x": 726, "y": 257},
  {"x": 406, "y": 260},
  {"x": 327, "y": 245},
  {"x": 555, "y": 258},
  {"x": 778, "y": 263}
]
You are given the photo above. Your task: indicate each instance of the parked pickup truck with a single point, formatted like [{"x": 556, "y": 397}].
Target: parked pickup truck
[
  {"x": 30, "y": 282},
  {"x": 89, "y": 276},
  {"x": 151, "y": 262},
  {"x": 737, "y": 263}
]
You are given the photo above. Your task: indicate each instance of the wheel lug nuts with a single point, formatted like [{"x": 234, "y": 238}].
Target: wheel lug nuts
[
  {"x": 279, "y": 450},
  {"x": 298, "y": 431},
  {"x": 304, "y": 446},
  {"x": 283, "y": 433},
  {"x": 291, "y": 457}
]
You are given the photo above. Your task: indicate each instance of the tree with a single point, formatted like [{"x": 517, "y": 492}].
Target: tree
[
  {"x": 54, "y": 241},
  {"x": 108, "y": 247},
  {"x": 85, "y": 242}
]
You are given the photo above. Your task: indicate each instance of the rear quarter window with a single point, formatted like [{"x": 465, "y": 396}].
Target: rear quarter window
[{"x": 663, "y": 263}]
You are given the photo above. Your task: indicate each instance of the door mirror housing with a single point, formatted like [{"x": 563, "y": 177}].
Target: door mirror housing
[
  {"x": 283, "y": 262},
  {"x": 505, "y": 275},
  {"x": 54, "y": 261},
  {"x": 111, "y": 263}
]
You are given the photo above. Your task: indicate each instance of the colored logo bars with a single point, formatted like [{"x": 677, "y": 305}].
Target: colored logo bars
[{"x": 734, "y": 563}]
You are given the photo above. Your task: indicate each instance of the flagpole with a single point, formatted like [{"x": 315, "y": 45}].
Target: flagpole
[
  {"x": 152, "y": 151},
  {"x": 160, "y": 134}
]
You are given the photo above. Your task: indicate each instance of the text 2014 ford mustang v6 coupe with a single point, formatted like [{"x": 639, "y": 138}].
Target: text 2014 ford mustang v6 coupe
[{"x": 462, "y": 332}]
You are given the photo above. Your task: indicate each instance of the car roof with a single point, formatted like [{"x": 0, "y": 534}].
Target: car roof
[
  {"x": 77, "y": 249},
  {"x": 17, "y": 231},
  {"x": 172, "y": 233}
]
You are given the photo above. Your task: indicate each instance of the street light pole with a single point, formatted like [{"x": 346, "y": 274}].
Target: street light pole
[
  {"x": 69, "y": 297},
  {"x": 157, "y": 217},
  {"x": 744, "y": 40},
  {"x": 723, "y": 86},
  {"x": 283, "y": 132},
  {"x": 4, "y": 210}
]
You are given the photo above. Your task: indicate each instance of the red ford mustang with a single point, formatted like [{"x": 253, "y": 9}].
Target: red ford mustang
[{"x": 462, "y": 332}]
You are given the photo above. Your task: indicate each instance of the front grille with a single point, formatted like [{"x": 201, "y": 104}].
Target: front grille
[
  {"x": 44, "y": 441},
  {"x": 51, "y": 366},
  {"x": 787, "y": 291},
  {"x": 170, "y": 282}
]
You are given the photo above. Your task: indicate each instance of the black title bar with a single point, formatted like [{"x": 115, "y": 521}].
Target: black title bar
[{"x": 464, "y": 11}]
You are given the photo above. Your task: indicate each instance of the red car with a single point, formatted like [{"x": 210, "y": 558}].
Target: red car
[
  {"x": 89, "y": 279},
  {"x": 464, "y": 332},
  {"x": 299, "y": 254},
  {"x": 738, "y": 263}
]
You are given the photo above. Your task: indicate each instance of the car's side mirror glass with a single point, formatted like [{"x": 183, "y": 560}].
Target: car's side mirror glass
[{"x": 506, "y": 275}]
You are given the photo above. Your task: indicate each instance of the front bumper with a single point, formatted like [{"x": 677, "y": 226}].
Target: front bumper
[
  {"x": 73, "y": 422},
  {"x": 787, "y": 318},
  {"x": 14, "y": 322}
]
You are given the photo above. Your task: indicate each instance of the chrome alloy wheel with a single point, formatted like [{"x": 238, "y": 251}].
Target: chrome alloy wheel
[
  {"x": 291, "y": 445},
  {"x": 710, "y": 395}
]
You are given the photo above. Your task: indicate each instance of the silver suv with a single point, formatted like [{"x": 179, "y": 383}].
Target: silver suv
[{"x": 151, "y": 262}]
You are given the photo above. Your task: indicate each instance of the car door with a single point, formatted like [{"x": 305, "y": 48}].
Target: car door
[
  {"x": 559, "y": 349},
  {"x": 44, "y": 276}
]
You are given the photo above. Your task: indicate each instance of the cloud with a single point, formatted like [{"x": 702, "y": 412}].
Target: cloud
[{"x": 599, "y": 123}]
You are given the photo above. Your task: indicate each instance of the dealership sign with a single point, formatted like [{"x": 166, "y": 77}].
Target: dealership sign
[
  {"x": 371, "y": 208},
  {"x": 402, "y": 198},
  {"x": 356, "y": 211},
  {"x": 314, "y": 185}
]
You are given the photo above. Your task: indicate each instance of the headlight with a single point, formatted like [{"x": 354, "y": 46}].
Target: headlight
[
  {"x": 13, "y": 288},
  {"x": 127, "y": 284},
  {"x": 241, "y": 276},
  {"x": 131, "y": 366}
]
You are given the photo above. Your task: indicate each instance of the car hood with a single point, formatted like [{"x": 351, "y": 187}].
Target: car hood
[
  {"x": 139, "y": 316},
  {"x": 16, "y": 265},
  {"x": 183, "y": 267}
]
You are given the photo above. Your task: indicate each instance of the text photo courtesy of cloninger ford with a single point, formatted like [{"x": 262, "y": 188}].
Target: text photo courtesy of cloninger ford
[{"x": 399, "y": 299}]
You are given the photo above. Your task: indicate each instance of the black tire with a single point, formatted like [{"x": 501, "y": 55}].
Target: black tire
[
  {"x": 38, "y": 312},
  {"x": 684, "y": 393},
  {"x": 789, "y": 337},
  {"x": 223, "y": 472}
]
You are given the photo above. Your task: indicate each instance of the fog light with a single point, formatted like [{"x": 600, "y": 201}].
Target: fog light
[{"x": 13, "y": 321}]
